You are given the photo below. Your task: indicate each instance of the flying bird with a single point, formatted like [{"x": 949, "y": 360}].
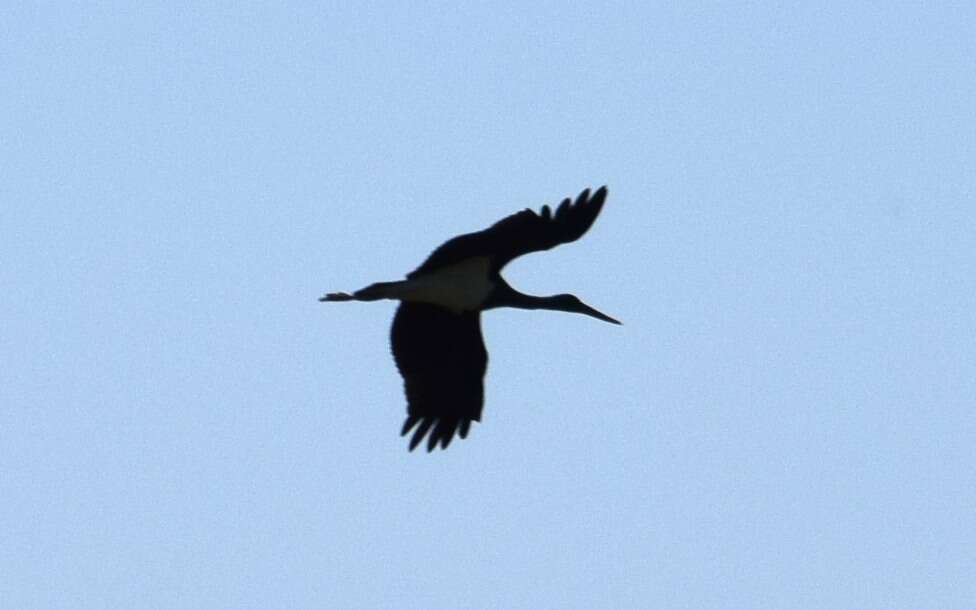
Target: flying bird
[{"x": 436, "y": 335}]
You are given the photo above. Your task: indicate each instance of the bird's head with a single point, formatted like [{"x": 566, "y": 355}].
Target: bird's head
[{"x": 572, "y": 304}]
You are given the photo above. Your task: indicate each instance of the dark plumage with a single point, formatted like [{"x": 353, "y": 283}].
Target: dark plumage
[
  {"x": 521, "y": 233},
  {"x": 436, "y": 335},
  {"x": 442, "y": 359}
]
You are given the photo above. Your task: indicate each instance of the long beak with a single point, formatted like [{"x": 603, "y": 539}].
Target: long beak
[{"x": 599, "y": 315}]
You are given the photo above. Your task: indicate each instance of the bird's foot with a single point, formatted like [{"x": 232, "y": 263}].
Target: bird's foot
[{"x": 337, "y": 296}]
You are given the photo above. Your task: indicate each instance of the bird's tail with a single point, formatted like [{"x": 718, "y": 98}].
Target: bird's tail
[{"x": 373, "y": 292}]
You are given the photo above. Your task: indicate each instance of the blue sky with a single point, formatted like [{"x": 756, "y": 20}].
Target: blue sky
[{"x": 785, "y": 420}]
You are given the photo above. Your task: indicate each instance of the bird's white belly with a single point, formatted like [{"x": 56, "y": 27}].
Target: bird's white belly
[{"x": 460, "y": 287}]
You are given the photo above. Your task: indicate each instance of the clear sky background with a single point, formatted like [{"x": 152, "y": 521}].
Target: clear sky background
[{"x": 785, "y": 420}]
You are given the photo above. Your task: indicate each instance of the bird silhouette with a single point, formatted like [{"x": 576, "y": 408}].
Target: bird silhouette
[{"x": 436, "y": 335}]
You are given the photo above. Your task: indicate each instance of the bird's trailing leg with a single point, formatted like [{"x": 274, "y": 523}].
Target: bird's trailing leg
[
  {"x": 373, "y": 292},
  {"x": 337, "y": 296}
]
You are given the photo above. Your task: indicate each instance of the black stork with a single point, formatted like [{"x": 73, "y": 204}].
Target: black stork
[{"x": 436, "y": 334}]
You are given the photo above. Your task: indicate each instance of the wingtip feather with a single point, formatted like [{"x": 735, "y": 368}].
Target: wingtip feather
[
  {"x": 599, "y": 197},
  {"x": 409, "y": 423},
  {"x": 421, "y": 431},
  {"x": 436, "y": 430}
]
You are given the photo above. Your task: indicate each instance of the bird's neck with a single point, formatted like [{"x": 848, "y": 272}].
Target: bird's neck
[{"x": 506, "y": 296}]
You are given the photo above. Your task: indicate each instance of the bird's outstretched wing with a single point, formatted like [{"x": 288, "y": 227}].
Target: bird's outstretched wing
[
  {"x": 521, "y": 233},
  {"x": 442, "y": 358}
]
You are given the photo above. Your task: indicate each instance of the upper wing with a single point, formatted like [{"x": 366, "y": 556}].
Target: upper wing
[
  {"x": 522, "y": 233},
  {"x": 442, "y": 358}
]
